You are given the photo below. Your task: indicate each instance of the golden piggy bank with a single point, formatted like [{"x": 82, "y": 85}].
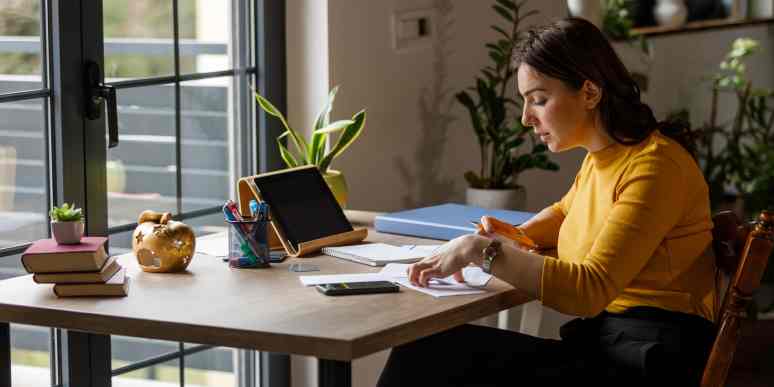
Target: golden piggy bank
[{"x": 162, "y": 245}]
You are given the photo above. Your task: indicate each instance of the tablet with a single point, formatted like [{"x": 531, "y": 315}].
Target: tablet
[{"x": 301, "y": 204}]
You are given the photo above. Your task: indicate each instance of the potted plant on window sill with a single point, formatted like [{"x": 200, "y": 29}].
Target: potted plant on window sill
[
  {"x": 316, "y": 150},
  {"x": 496, "y": 120},
  {"x": 67, "y": 224}
]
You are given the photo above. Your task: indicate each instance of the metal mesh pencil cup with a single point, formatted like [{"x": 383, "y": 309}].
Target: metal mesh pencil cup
[{"x": 248, "y": 244}]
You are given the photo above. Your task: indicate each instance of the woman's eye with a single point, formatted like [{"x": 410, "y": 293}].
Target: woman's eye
[{"x": 539, "y": 102}]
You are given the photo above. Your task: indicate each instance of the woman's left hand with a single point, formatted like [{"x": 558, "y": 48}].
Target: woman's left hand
[{"x": 453, "y": 257}]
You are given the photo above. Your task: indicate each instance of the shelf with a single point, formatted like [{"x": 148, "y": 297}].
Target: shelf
[{"x": 702, "y": 25}]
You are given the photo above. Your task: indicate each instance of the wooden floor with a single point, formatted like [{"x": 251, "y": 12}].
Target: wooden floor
[{"x": 754, "y": 360}]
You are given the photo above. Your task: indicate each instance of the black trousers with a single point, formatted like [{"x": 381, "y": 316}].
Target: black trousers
[{"x": 644, "y": 346}]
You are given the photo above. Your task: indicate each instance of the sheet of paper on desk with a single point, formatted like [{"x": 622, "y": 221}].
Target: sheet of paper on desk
[
  {"x": 441, "y": 289},
  {"x": 474, "y": 276},
  {"x": 475, "y": 279},
  {"x": 215, "y": 245},
  {"x": 428, "y": 250}
]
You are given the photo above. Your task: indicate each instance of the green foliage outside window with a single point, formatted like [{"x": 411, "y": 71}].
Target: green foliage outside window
[{"x": 22, "y": 18}]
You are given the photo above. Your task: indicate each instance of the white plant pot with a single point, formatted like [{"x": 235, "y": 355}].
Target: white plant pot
[
  {"x": 505, "y": 199},
  {"x": 670, "y": 13},
  {"x": 590, "y": 10},
  {"x": 761, "y": 9},
  {"x": 67, "y": 233}
]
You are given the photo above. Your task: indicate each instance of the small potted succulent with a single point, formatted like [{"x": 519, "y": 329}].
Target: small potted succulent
[{"x": 67, "y": 224}]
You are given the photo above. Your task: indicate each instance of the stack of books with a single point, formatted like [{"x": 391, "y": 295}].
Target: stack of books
[{"x": 83, "y": 269}]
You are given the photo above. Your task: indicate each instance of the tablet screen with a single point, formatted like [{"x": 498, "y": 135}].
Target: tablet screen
[{"x": 302, "y": 204}]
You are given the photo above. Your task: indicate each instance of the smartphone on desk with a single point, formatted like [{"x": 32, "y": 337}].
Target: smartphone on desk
[{"x": 347, "y": 288}]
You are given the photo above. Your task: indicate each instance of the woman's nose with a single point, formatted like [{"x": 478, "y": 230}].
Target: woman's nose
[{"x": 526, "y": 118}]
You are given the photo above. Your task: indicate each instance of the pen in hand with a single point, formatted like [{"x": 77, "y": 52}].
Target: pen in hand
[{"x": 509, "y": 231}]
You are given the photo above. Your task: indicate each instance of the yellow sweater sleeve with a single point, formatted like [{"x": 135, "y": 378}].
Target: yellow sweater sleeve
[{"x": 648, "y": 202}]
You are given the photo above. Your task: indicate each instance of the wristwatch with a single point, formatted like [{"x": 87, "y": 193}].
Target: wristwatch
[{"x": 490, "y": 253}]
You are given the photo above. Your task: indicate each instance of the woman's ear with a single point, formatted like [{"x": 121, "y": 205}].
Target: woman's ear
[{"x": 592, "y": 94}]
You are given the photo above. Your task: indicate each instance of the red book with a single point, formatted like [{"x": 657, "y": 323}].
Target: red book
[{"x": 47, "y": 256}]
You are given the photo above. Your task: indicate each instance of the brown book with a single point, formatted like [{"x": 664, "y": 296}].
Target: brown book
[
  {"x": 116, "y": 286},
  {"x": 110, "y": 267},
  {"x": 46, "y": 256}
]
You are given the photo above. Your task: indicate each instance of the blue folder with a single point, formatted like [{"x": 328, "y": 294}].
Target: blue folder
[{"x": 443, "y": 222}]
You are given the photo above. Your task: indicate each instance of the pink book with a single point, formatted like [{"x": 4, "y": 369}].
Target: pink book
[{"x": 46, "y": 256}]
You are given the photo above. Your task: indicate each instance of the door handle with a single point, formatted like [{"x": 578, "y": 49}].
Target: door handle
[{"x": 98, "y": 92}]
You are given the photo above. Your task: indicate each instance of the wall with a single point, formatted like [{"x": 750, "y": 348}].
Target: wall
[
  {"x": 417, "y": 143},
  {"x": 307, "y": 61}
]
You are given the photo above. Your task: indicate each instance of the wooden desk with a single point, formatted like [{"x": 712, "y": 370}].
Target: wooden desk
[{"x": 261, "y": 309}]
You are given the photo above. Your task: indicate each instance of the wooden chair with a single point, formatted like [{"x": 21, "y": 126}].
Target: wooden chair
[{"x": 741, "y": 251}]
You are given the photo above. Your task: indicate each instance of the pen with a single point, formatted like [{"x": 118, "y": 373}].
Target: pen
[
  {"x": 509, "y": 231},
  {"x": 254, "y": 208}
]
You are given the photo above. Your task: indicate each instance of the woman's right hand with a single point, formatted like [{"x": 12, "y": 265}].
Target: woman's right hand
[{"x": 490, "y": 227}]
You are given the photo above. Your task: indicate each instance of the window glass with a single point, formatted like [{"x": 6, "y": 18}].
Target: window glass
[
  {"x": 23, "y": 180},
  {"x": 20, "y": 45},
  {"x": 30, "y": 347},
  {"x": 206, "y": 132},
  {"x": 205, "y": 36},
  {"x": 211, "y": 368},
  {"x": 141, "y": 170},
  {"x": 138, "y": 38}
]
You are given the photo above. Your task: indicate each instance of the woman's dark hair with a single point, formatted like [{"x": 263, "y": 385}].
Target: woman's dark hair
[{"x": 573, "y": 50}]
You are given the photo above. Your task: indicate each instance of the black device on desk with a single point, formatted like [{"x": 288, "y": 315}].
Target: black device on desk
[
  {"x": 347, "y": 288},
  {"x": 301, "y": 204}
]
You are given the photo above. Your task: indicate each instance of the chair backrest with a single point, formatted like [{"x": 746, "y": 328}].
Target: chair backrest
[{"x": 741, "y": 251}]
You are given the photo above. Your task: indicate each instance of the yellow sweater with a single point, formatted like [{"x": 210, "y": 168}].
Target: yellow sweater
[{"x": 637, "y": 223}]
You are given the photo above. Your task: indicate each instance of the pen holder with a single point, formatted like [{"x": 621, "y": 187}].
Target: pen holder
[{"x": 248, "y": 243}]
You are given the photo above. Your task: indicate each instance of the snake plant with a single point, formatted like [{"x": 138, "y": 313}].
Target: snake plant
[{"x": 313, "y": 151}]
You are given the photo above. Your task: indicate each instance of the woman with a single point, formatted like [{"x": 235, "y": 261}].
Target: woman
[{"x": 630, "y": 236}]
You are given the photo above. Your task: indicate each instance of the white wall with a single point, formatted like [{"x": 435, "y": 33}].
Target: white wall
[{"x": 307, "y": 61}]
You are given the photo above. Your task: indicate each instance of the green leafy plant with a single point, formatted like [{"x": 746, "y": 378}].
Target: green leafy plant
[
  {"x": 313, "y": 151},
  {"x": 738, "y": 155},
  {"x": 495, "y": 115},
  {"x": 617, "y": 24},
  {"x": 616, "y": 21},
  {"x": 66, "y": 213}
]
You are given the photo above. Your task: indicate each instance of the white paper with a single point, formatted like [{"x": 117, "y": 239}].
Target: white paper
[
  {"x": 216, "y": 245},
  {"x": 426, "y": 250},
  {"x": 441, "y": 290},
  {"x": 376, "y": 252},
  {"x": 474, "y": 276},
  {"x": 475, "y": 280},
  {"x": 310, "y": 280}
]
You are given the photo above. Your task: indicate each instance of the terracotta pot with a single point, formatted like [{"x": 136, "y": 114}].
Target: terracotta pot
[{"x": 67, "y": 233}]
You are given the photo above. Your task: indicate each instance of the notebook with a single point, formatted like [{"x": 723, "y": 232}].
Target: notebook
[
  {"x": 376, "y": 254},
  {"x": 442, "y": 222}
]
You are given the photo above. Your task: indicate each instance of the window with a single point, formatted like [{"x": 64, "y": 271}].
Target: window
[{"x": 188, "y": 128}]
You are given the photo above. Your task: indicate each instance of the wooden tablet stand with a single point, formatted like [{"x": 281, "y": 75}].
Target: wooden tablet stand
[{"x": 247, "y": 191}]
